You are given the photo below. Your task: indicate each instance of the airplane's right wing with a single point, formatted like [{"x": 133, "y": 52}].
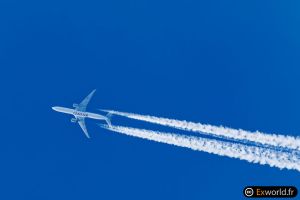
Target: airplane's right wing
[
  {"x": 83, "y": 127},
  {"x": 82, "y": 106}
]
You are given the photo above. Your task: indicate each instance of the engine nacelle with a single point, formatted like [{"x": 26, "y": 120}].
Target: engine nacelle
[
  {"x": 73, "y": 120},
  {"x": 75, "y": 105}
]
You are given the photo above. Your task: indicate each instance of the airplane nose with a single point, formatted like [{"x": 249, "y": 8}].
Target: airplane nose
[{"x": 54, "y": 108}]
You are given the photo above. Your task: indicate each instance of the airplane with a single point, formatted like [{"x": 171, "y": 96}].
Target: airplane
[{"x": 79, "y": 113}]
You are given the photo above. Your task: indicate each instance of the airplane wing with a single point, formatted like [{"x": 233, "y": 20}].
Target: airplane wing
[
  {"x": 83, "y": 127},
  {"x": 82, "y": 106}
]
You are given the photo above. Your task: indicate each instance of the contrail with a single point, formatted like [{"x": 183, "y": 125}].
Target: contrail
[
  {"x": 278, "y": 141},
  {"x": 252, "y": 154}
]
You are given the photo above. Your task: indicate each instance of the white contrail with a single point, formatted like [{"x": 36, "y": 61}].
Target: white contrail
[
  {"x": 275, "y": 140},
  {"x": 251, "y": 154}
]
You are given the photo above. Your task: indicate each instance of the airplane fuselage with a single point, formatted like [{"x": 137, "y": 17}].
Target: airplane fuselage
[{"x": 79, "y": 114}]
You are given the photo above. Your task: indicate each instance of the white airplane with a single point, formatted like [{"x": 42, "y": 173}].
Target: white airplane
[{"x": 79, "y": 113}]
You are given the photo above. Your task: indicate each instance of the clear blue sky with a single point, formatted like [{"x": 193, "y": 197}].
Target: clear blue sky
[{"x": 232, "y": 63}]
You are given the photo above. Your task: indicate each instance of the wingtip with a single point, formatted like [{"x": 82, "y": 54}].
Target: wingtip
[{"x": 93, "y": 91}]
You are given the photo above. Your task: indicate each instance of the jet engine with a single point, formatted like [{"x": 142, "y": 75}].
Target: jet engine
[
  {"x": 73, "y": 120},
  {"x": 75, "y": 105}
]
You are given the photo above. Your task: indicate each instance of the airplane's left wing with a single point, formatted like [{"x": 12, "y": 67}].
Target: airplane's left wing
[
  {"x": 83, "y": 127},
  {"x": 82, "y": 106}
]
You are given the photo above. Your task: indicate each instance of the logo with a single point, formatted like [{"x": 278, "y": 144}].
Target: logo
[
  {"x": 248, "y": 192},
  {"x": 270, "y": 191},
  {"x": 80, "y": 114}
]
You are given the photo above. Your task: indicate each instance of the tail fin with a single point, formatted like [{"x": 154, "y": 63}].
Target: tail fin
[{"x": 108, "y": 119}]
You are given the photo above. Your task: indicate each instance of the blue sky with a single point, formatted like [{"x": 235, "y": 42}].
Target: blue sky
[{"x": 231, "y": 63}]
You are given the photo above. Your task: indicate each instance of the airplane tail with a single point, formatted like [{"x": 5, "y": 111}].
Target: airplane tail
[{"x": 108, "y": 119}]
